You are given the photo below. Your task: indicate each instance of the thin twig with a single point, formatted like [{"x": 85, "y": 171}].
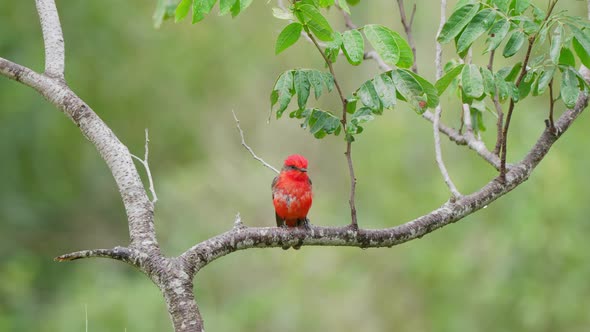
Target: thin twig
[
  {"x": 438, "y": 111},
  {"x": 348, "y": 152},
  {"x": 408, "y": 29},
  {"x": 264, "y": 163},
  {"x": 466, "y": 109},
  {"x": 523, "y": 72},
  {"x": 551, "y": 106},
  {"x": 498, "y": 107},
  {"x": 146, "y": 165}
]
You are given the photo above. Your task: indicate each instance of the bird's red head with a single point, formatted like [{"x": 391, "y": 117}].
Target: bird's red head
[{"x": 297, "y": 162}]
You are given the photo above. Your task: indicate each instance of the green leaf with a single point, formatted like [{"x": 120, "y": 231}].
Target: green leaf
[
  {"x": 385, "y": 90},
  {"x": 443, "y": 83},
  {"x": 317, "y": 82},
  {"x": 383, "y": 41},
  {"x": 322, "y": 123},
  {"x": 556, "y": 44},
  {"x": 226, "y": 5},
  {"x": 360, "y": 116},
  {"x": 472, "y": 81},
  {"x": 182, "y": 10},
  {"x": 342, "y": 4},
  {"x": 288, "y": 36},
  {"x": 545, "y": 79},
  {"x": 514, "y": 43},
  {"x": 353, "y": 46},
  {"x": 316, "y": 22},
  {"x": 202, "y": 8},
  {"x": 368, "y": 96},
  {"x": 524, "y": 88},
  {"x": 429, "y": 89},
  {"x": 282, "y": 92},
  {"x": 502, "y": 5},
  {"x": 478, "y": 25},
  {"x": 489, "y": 87},
  {"x": 520, "y": 6},
  {"x": 302, "y": 87},
  {"x": 333, "y": 47},
  {"x": 497, "y": 33},
  {"x": 566, "y": 57},
  {"x": 406, "y": 56},
  {"x": 569, "y": 88},
  {"x": 455, "y": 24},
  {"x": 239, "y": 6},
  {"x": 581, "y": 43},
  {"x": 281, "y": 14},
  {"x": 410, "y": 89}
]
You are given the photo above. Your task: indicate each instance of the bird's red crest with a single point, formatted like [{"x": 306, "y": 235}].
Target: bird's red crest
[{"x": 296, "y": 160}]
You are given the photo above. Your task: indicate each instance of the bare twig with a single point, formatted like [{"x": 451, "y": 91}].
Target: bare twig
[
  {"x": 437, "y": 112},
  {"x": 372, "y": 55},
  {"x": 498, "y": 107},
  {"x": 53, "y": 38},
  {"x": 264, "y": 163},
  {"x": 523, "y": 72},
  {"x": 146, "y": 165},
  {"x": 348, "y": 152},
  {"x": 408, "y": 28}
]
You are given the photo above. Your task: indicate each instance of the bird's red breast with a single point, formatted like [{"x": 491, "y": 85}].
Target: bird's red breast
[{"x": 291, "y": 192}]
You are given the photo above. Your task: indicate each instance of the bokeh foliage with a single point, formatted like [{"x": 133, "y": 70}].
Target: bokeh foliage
[{"x": 521, "y": 264}]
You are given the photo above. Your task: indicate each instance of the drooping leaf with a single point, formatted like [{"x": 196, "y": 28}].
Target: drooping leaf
[
  {"x": 202, "y": 8},
  {"x": 489, "y": 87},
  {"x": 385, "y": 90},
  {"x": 581, "y": 43},
  {"x": 282, "y": 92},
  {"x": 368, "y": 96},
  {"x": 182, "y": 10},
  {"x": 226, "y": 5},
  {"x": 478, "y": 25},
  {"x": 409, "y": 89},
  {"x": 288, "y": 36},
  {"x": 322, "y": 123},
  {"x": 302, "y": 87},
  {"x": 239, "y": 6},
  {"x": 556, "y": 44},
  {"x": 514, "y": 44},
  {"x": 443, "y": 83},
  {"x": 406, "y": 56},
  {"x": 472, "y": 81},
  {"x": 497, "y": 33},
  {"x": 456, "y": 22},
  {"x": 569, "y": 88},
  {"x": 429, "y": 89},
  {"x": 545, "y": 79},
  {"x": 353, "y": 46},
  {"x": 566, "y": 57},
  {"x": 383, "y": 41}
]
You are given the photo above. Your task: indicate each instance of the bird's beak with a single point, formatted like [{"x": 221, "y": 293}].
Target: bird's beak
[{"x": 303, "y": 170}]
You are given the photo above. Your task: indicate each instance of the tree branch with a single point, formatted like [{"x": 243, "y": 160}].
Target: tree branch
[
  {"x": 146, "y": 165},
  {"x": 271, "y": 237},
  {"x": 53, "y": 38}
]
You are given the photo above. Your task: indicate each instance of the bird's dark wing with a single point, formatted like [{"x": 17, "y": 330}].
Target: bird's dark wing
[
  {"x": 274, "y": 183},
  {"x": 280, "y": 221}
]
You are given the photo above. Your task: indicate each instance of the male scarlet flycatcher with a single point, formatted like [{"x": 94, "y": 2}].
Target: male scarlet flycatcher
[{"x": 291, "y": 193}]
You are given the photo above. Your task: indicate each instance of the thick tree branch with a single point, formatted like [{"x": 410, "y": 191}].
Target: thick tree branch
[
  {"x": 266, "y": 237},
  {"x": 53, "y": 38}
]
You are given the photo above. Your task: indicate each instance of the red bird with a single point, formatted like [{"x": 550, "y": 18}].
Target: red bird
[{"x": 291, "y": 193}]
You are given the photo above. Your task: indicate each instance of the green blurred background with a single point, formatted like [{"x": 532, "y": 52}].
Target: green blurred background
[{"x": 522, "y": 264}]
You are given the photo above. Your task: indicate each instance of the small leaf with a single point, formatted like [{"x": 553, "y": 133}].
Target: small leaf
[
  {"x": 478, "y": 25},
  {"x": 556, "y": 44},
  {"x": 322, "y": 123},
  {"x": 472, "y": 81},
  {"x": 288, "y": 36},
  {"x": 497, "y": 33},
  {"x": 182, "y": 10},
  {"x": 202, "y": 8},
  {"x": 279, "y": 13},
  {"x": 316, "y": 22},
  {"x": 581, "y": 43},
  {"x": 383, "y": 41},
  {"x": 410, "y": 89},
  {"x": 368, "y": 96},
  {"x": 514, "y": 44},
  {"x": 385, "y": 90},
  {"x": 566, "y": 57},
  {"x": 239, "y": 6},
  {"x": 353, "y": 46},
  {"x": 225, "y": 6},
  {"x": 489, "y": 87},
  {"x": 502, "y": 5},
  {"x": 456, "y": 22},
  {"x": 282, "y": 92},
  {"x": 569, "y": 88},
  {"x": 406, "y": 56},
  {"x": 520, "y": 6},
  {"x": 443, "y": 83},
  {"x": 545, "y": 79},
  {"x": 429, "y": 89},
  {"x": 302, "y": 87}
]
